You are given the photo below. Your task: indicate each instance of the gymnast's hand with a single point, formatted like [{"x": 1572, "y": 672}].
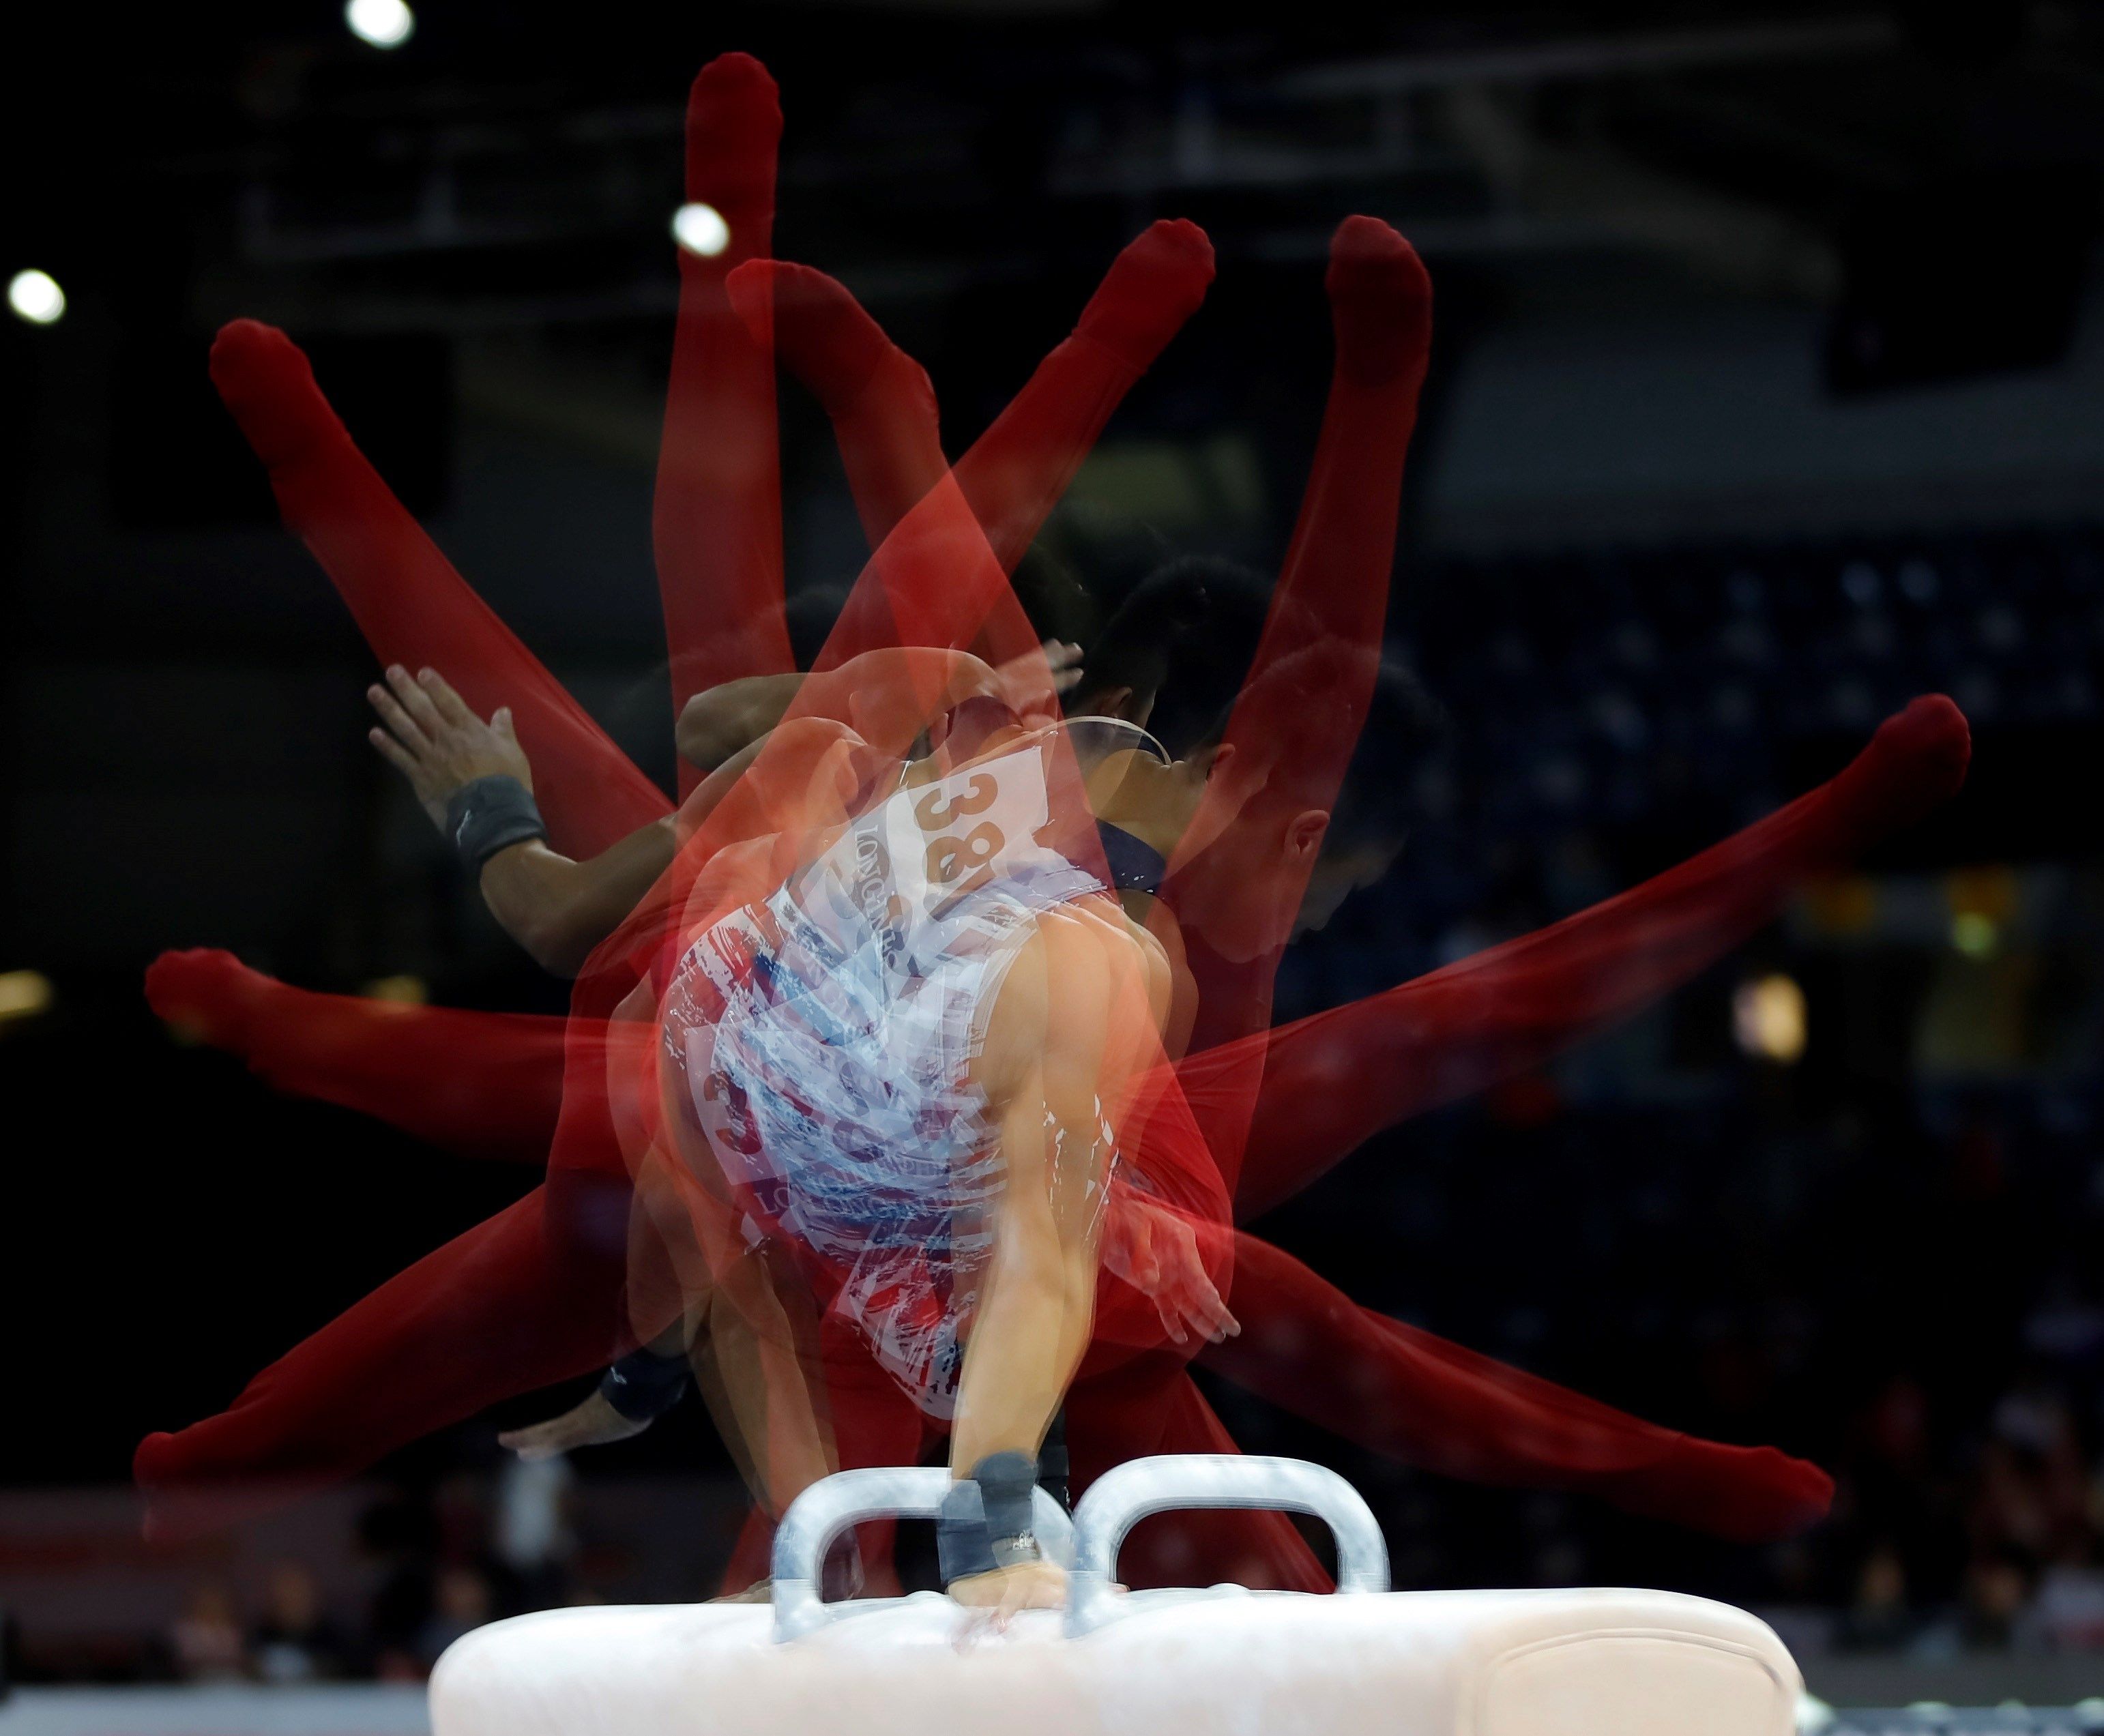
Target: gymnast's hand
[
  {"x": 435, "y": 741},
  {"x": 592, "y": 1423},
  {"x": 1022, "y": 679},
  {"x": 1032, "y": 1585},
  {"x": 1156, "y": 1251}
]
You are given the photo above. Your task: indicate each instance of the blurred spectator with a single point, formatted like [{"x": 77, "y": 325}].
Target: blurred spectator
[
  {"x": 2070, "y": 1608},
  {"x": 2008, "y": 1510},
  {"x": 400, "y": 1533},
  {"x": 1878, "y": 1617},
  {"x": 294, "y": 1641},
  {"x": 1996, "y": 1595},
  {"x": 206, "y": 1640},
  {"x": 462, "y": 1600}
]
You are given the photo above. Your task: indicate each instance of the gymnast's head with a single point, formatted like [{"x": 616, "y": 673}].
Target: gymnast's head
[
  {"x": 1182, "y": 748},
  {"x": 719, "y": 721}
]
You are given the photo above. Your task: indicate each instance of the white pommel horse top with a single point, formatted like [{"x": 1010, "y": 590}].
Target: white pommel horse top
[{"x": 1222, "y": 1662}]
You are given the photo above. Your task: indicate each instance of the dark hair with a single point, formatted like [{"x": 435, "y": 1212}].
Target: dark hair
[
  {"x": 1183, "y": 638},
  {"x": 1187, "y": 635},
  {"x": 1053, "y": 600}
]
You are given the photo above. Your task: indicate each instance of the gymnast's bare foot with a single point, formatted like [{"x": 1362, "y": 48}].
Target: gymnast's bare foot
[
  {"x": 1380, "y": 303},
  {"x": 1152, "y": 286},
  {"x": 266, "y": 379},
  {"x": 733, "y": 132},
  {"x": 206, "y": 995}
]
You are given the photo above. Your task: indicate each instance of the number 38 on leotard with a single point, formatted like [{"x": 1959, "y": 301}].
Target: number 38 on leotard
[{"x": 951, "y": 855}]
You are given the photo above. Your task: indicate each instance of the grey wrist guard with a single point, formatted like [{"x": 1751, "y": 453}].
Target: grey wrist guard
[
  {"x": 985, "y": 1523},
  {"x": 1052, "y": 1463},
  {"x": 643, "y": 1386},
  {"x": 488, "y": 814}
]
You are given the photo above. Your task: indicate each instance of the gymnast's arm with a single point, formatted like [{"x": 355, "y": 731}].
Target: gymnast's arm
[
  {"x": 559, "y": 908},
  {"x": 555, "y": 907},
  {"x": 726, "y": 719},
  {"x": 1055, "y": 1028},
  {"x": 721, "y": 721}
]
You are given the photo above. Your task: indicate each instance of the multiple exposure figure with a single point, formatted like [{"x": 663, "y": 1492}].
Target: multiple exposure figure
[{"x": 919, "y": 1061}]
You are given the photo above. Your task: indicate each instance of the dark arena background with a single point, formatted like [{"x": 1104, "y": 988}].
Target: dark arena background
[{"x": 1766, "y": 393}]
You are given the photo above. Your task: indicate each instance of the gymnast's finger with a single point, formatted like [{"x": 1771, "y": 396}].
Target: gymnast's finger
[
  {"x": 416, "y": 701},
  {"x": 1204, "y": 1306},
  {"x": 1144, "y": 1258},
  {"x": 396, "y": 755},
  {"x": 392, "y": 715},
  {"x": 451, "y": 706},
  {"x": 1040, "y": 1586},
  {"x": 1213, "y": 1319}
]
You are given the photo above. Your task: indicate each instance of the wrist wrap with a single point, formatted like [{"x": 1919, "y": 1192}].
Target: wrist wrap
[
  {"x": 985, "y": 1522},
  {"x": 488, "y": 814},
  {"x": 1053, "y": 1465},
  {"x": 643, "y": 1386}
]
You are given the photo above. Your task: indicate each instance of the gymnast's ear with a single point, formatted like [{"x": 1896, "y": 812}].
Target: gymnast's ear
[
  {"x": 1134, "y": 705},
  {"x": 1304, "y": 833}
]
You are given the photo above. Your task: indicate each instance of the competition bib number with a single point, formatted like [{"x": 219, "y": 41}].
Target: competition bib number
[{"x": 962, "y": 860}]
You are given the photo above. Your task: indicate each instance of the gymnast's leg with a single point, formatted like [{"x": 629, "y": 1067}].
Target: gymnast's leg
[
  {"x": 1307, "y": 1346},
  {"x": 884, "y": 412},
  {"x": 716, "y": 518},
  {"x": 412, "y": 606},
  {"x": 1016, "y": 472},
  {"x": 1330, "y": 1081},
  {"x": 1131, "y": 1408},
  {"x": 885, "y": 421},
  {"x": 875, "y": 1423},
  {"x": 1404, "y": 1393},
  {"x": 483, "y": 1085},
  {"x": 1305, "y": 698},
  {"x": 717, "y": 532},
  {"x": 521, "y": 1301},
  {"x": 1335, "y": 1079}
]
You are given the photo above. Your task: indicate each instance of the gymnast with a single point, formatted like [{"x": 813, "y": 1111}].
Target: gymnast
[
  {"x": 281, "y": 437},
  {"x": 326, "y": 1022},
  {"x": 611, "y": 1413},
  {"x": 1644, "y": 944},
  {"x": 288, "y": 1014},
  {"x": 912, "y": 1062}
]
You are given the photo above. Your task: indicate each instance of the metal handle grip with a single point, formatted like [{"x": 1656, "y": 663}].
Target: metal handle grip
[
  {"x": 847, "y": 1498},
  {"x": 1121, "y": 1498}
]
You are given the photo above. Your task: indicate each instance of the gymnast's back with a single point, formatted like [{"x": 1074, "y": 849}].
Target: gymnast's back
[{"x": 831, "y": 1036}]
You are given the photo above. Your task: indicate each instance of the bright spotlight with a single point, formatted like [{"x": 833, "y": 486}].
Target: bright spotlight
[
  {"x": 1767, "y": 1018},
  {"x": 36, "y": 296},
  {"x": 385, "y": 24},
  {"x": 24, "y": 993},
  {"x": 701, "y": 229}
]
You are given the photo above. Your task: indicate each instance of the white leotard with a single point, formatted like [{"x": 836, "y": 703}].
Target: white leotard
[{"x": 828, "y": 1035}]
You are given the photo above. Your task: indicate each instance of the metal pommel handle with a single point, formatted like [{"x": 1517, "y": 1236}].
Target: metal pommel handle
[
  {"x": 847, "y": 1498},
  {"x": 1119, "y": 1498}
]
